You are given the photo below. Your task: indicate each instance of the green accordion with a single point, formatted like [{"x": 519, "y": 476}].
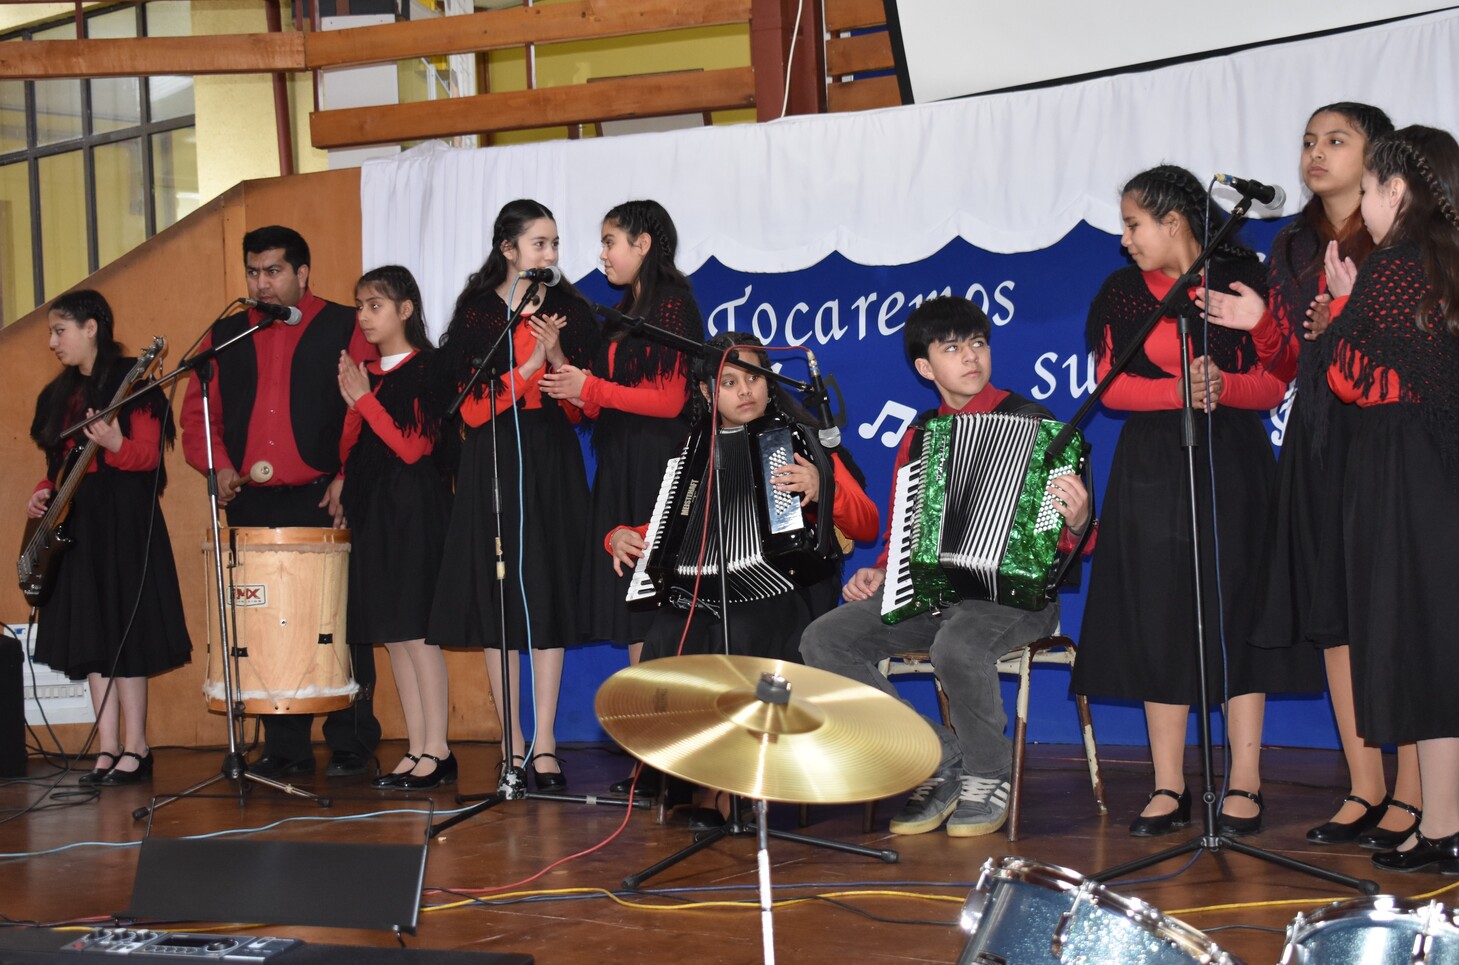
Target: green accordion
[{"x": 972, "y": 518}]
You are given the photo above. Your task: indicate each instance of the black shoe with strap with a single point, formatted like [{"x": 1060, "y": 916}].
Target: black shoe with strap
[
  {"x": 97, "y": 774},
  {"x": 1423, "y": 856},
  {"x": 384, "y": 782},
  {"x": 116, "y": 777},
  {"x": 1158, "y": 824},
  {"x": 445, "y": 773},
  {"x": 549, "y": 782},
  {"x": 1346, "y": 832},
  {"x": 1229, "y": 826},
  {"x": 1381, "y": 839}
]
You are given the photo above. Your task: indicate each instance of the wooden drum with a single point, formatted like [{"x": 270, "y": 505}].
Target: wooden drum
[{"x": 287, "y": 590}]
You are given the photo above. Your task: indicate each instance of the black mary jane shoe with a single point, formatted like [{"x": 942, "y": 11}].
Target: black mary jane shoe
[
  {"x": 1443, "y": 852},
  {"x": 1346, "y": 832},
  {"x": 1228, "y": 826},
  {"x": 385, "y": 782},
  {"x": 548, "y": 782},
  {"x": 1381, "y": 839},
  {"x": 1143, "y": 827},
  {"x": 98, "y": 774},
  {"x": 445, "y": 773},
  {"x": 115, "y": 778}
]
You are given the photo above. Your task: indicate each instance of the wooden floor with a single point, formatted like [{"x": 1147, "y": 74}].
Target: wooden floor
[{"x": 518, "y": 839}]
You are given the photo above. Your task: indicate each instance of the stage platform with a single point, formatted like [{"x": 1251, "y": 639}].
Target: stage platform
[{"x": 517, "y": 840}]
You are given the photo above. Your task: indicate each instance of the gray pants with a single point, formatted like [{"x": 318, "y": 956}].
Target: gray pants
[{"x": 964, "y": 643}]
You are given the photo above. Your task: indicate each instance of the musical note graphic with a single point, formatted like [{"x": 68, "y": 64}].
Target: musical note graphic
[{"x": 901, "y": 417}]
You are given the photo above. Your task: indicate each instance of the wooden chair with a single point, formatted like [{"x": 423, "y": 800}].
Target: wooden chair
[{"x": 1019, "y": 661}]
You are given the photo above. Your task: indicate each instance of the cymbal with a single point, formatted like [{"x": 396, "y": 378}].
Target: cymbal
[{"x": 713, "y": 720}]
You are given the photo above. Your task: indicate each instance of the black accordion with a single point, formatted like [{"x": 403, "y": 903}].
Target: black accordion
[{"x": 773, "y": 546}]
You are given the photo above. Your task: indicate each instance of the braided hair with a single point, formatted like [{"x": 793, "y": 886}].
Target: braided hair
[
  {"x": 1428, "y": 161},
  {"x": 396, "y": 283},
  {"x": 658, "y": 272},
  {"x": 1169, "y": 187}
]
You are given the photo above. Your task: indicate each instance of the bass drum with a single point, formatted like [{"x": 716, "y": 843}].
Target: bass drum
[
  {"x": 287, "y": 591},
  {"x": 1025, "y": 912},
  {"x": 1375, "y": 931}
]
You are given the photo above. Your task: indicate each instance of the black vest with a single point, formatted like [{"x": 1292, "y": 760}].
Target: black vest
[{"x": 316, "y": 409}]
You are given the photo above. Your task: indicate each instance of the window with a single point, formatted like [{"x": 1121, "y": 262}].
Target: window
[{"x": 89, "y": 169}]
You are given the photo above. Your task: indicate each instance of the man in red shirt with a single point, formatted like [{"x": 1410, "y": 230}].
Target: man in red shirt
[
  {"x": 277, "y": 416},
  {"x": 947, "y": 341}
]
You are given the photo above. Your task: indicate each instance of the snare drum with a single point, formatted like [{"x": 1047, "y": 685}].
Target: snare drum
[
  {"x": 1375, "y": 931},
  {"x": 1026, "y": 912},
  {"x": 287, "y": 590}
]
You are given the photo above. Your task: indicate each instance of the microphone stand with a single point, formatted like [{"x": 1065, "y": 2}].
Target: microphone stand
[
  {"x": 735, "y": 826},
  {"x": 512, "y": 782},
  {"x": 1209, "y": 840},
  {"x": 235, "y": 767}
]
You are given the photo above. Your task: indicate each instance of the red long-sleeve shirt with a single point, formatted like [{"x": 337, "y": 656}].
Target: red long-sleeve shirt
[
  {"x": 411, "y": 447},
  {"x": 139, "y": 451},
  {"x": 1258, "y": 388},
  {"x": 663, "y": 398},
  {"x": 1386, "y": 385},
  {"x": 270, "y": 428}
]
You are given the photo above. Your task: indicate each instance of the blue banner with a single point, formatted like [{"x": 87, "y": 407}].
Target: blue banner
[{"x": 851, "y": 316}]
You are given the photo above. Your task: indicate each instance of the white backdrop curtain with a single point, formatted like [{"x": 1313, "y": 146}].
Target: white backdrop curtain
[{"x": 1007, "y": 172}]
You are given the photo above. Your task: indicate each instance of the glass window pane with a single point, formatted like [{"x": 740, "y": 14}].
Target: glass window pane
[
  {"x": 175, "y": 175},
  {"x": 169, "y": 18},
  {"x": 12, "y": 116},
  {"x": 171, "y": 97},
  {"x": 63, "y": 222},
  {"x": 57, "y": 102},
  {"x": 115, "y": 101},
  {"x": 17, "y": 278},
  {"x": 121, "y": 199}
]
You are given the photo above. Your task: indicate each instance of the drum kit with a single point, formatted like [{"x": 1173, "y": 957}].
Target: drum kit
[{"x": 774, "y": 731}]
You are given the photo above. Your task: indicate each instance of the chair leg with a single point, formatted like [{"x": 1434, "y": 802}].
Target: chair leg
[
  {"x": 1091, "y": 752},
  {"x": 1020, "y": 734},
  {"x": 804, "y": 818},
  {"x": 868, "y": 817}
]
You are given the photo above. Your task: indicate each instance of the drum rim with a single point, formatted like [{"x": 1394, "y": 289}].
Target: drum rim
[
  {"x": 1184, "y": 937},
  {"x": 279, "y": 535},
  {"x": 1394, "y": 907}
]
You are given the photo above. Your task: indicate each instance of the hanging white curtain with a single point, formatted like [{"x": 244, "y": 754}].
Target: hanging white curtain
[{"x": 1007, "y": 172}]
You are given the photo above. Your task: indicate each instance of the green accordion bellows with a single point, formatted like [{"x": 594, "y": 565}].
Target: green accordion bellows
[{"x": 972, "y": 518}]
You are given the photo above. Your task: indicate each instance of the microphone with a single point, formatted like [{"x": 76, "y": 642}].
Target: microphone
[
  {"x": 1270, "y": 195},
  {"x": 287, "y": 314},
  {"x": 549, "y": 276},
  {"x": 830, "y": 433}
]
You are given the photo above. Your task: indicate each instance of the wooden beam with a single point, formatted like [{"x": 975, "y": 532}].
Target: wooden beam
[
  {"x": 859, "y": 54},
  {"x": 515, "y": 27},
  {"x": 608, "y": 99},
  {"x": 853, "y": 14},
  {"x": 150, "y": 56},
  {"x": 863, "y": 95}
]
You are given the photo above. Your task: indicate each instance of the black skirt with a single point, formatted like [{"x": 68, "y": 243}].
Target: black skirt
[
  {"x": 1302, "y": 590},
  {"x": 1138, "y": 636},
  {"x": 1399, "y": 535},
  {"x": 633, "y": 451},
  {"x": 396, "y": 544},
  {"x": 551, "y": 496},
  {"x": 115, "y": 590}
]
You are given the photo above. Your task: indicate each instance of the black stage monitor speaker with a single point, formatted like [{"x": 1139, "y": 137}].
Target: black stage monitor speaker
[{"x": 328, "y": 884}]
